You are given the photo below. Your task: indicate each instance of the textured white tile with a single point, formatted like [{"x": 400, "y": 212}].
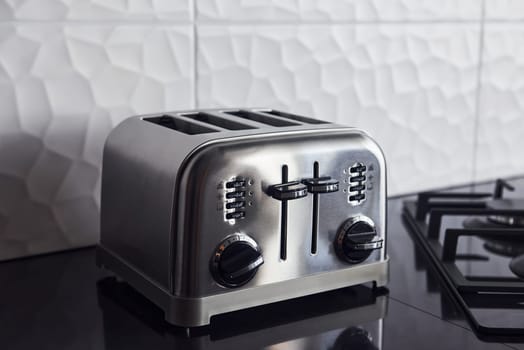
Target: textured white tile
[
  {"x": 353, "y": 10},
  {"x": 501, "y": 116},
  {"x": 410, "y": 86},
  {"x": 96, "y": 9},
  {"x": 63, "y": 89},
  {"x": 504, "y": 9}
]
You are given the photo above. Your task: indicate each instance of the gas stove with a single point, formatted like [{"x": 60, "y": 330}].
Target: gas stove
[{"x": 475, "y": 242}]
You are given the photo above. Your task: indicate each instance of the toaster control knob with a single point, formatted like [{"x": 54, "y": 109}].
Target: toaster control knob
[
  {"x": 236, "y": 260},
  {"x": 356, "y": 240}
]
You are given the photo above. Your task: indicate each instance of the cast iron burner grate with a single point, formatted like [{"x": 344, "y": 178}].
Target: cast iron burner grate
[{"x": 424, "y": 218}]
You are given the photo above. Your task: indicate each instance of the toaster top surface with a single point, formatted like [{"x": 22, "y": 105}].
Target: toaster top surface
[{"x": 222, "y": 123}]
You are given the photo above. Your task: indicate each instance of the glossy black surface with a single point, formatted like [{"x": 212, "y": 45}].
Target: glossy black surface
[
  {"x": 63, "y": 301},
  {"x": 503, "y": 312}
]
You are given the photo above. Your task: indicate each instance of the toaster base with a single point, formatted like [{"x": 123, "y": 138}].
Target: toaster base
[{"x": 197, "y": 312}]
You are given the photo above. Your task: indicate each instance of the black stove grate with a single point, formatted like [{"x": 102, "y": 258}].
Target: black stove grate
[{"x": 424, "y": 219}]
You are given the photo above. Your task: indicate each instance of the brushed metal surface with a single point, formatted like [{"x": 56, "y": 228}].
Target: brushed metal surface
[
  {"x": 260, "y": 159},
  {"x": 195, "y": 312}
]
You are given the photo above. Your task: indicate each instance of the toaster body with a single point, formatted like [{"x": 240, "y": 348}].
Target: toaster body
[{"x": 207, "y": 212}]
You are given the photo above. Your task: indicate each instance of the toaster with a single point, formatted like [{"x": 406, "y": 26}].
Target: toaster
[{"x": 210, "y": 211}]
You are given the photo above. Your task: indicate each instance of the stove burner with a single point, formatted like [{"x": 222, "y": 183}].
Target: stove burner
[
  {"x": 475, "y": 222},
  {"x": 517, "y": 266},
  {"x": 504, "y": 248},
  {"x": 509, "y": 247},
  {"x": 512, "y": 221}
]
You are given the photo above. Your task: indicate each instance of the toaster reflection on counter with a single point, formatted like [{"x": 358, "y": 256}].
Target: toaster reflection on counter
[
  {"x": 211, "y": 211},
  {"x": 350, "y": 318}
]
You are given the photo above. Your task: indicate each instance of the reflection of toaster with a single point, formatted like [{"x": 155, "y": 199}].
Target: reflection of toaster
[
  {"x": 206, "y": 212},
  {"x": 349, "y": 318}
]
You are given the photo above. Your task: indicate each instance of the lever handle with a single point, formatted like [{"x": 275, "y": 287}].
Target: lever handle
[
  {"x": 288, "y": 191},
  {"x": 321, "y": 184},
  {"x": 364, "y": 245},
  {"x": 367, "y": 246},
  {"x": 500, "y": 185},
  {"x": 248, "y": 268}
]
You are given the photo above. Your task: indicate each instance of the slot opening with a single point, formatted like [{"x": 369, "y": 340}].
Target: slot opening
[
  {"x": 180, "y": 125},
  {"x": 283, "y": 219},
  {"x": 217, "y": 121},
  {"x": 261, "y": 118},
  {"x": 314, "y": 228},
  {"x": 294, "y": 117}
]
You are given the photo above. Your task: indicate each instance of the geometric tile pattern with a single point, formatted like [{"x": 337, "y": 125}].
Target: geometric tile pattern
[
  {"x": 501, "y": 113},
  {"x": 416, "y": 74},
  {"x": 347, "y": 10},
  {"x": 63, "y": 88},
  {"x": 412, "y": 87}
]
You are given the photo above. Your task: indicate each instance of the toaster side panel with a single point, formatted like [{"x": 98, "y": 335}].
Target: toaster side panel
[
  {"x": 140, "y": 166},
  {"x": 225, "y": 195}
]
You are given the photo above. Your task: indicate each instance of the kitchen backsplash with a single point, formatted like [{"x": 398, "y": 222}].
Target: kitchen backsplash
[{"x": 439, "y": 84}]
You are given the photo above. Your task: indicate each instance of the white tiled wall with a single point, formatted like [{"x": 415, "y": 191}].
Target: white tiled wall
[
  {"x": 437, "y": 82},
  {"x": 411, "y": 86}
]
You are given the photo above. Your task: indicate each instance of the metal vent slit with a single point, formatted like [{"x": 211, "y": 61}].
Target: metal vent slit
[
  {"x": 261, "y": 118},
  {"x": 217, "y": 121},
  {"x": 293, "y": 117},
  {"x": 180, "y": 125}
]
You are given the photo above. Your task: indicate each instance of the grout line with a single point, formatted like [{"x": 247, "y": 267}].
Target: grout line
[
  {"x": 196, "y": 22},
  {"x": 232, "y": 22},
  {"x": 478, "y": 96},
  {"x": 331, "y": 22},
  {"x": 90, "y": 22},
  {"x": 456, "y": 186},
  {"x": 195, "y": 55}
]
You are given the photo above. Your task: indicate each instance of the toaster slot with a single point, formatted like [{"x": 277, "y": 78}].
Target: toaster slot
[
  {"x": 261, "y": 118},
  {"x": 294, "y": 117},
  {"x": 285, "y": 192},
  {"x": 283, "y": 219},
  {"x": 314, "y": 228},
  {"x": 217, "y": 121},
  {"x": 180, "y": 125},
  {"x": 318, "y": 185}
]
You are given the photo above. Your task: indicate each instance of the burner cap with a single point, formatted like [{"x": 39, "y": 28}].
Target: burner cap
[
  {"x": 513, "y": 221},
  {"x": 517, "y": 266},
  {"x": 475, "y": 222},
  {"x": 507, "y": 204},
  {"x": 509, "y": 247},
  {"x": 504, "y": 248}
]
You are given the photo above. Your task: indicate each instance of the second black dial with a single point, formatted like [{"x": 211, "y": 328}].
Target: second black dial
[{"x": 356, "y": 240}]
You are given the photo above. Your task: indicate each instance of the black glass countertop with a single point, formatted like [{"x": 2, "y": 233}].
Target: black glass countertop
[{"x": 63, "y": 301}]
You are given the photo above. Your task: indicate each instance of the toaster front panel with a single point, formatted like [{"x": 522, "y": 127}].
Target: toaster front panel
[{"x": 261, "y": 210}]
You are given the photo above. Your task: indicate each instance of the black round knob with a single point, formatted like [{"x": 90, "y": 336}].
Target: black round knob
[
  {"x": 236, "y": 261},
  {"x": 356, "y": 240}
]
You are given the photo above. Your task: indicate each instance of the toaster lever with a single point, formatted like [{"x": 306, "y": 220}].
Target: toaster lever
[
  {"x": 321, "y": 184},
  {"x": 288, "y": 191}
]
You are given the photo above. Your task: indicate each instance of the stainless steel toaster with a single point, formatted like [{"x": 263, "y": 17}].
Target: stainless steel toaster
[{"x": 210, "y": 211}]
